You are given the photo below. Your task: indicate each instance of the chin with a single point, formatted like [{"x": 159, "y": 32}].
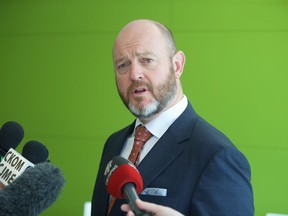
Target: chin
[{"x": 145, "y": 111}]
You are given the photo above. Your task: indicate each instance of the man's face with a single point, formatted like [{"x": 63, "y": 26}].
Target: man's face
[{"x": 143, "y": 69}]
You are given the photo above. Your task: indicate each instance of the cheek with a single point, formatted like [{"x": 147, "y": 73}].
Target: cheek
[
  {"x": 159, "y": 78},
  {"x": 122, "y": 84}
]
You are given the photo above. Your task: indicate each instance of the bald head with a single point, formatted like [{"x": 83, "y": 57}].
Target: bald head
[{"x": 150, "y": 30}]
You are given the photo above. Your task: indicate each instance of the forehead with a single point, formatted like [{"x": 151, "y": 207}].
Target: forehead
[{"x": 139, "y": 38}]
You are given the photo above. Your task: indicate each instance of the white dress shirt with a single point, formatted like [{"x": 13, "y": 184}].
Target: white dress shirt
[{"x": 157, "y": 127}]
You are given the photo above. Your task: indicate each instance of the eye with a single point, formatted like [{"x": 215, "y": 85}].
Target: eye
[
  {"x": 146, "y": 60},
  {"x": 123, "y": 66}
]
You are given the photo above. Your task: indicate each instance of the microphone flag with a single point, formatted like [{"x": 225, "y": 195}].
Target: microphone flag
[{"x": 12, "y": 166}]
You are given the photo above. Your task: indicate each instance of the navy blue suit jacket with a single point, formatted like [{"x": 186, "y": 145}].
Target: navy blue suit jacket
[{"x": 203, "y": 172}]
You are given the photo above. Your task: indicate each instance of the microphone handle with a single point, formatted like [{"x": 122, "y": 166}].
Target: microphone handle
[{"x": 131, "y": 196}]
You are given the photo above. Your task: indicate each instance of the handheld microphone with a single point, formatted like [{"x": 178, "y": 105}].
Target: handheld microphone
[
  {"x": 11, "y": 134},
  {"x": 32, "y": 192},
  {"x": 123, "y": 180}
]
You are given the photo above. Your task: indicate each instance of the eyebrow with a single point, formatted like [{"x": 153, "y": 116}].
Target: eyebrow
[
  {"x": 119, "y": 60},
  {"x": 145, "y": 53}
]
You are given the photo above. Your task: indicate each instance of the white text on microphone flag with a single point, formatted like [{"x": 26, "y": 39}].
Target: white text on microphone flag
[{"x": 13, "y": 165}]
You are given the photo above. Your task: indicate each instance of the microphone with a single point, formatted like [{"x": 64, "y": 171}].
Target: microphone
[
  {"x": 11, "y": 134},
  {"x": 32, "y": 192},
  {"x": 35, "y": 152},
  {"x": 123, "y": 180},
  {"x": 14, "y": 164}
]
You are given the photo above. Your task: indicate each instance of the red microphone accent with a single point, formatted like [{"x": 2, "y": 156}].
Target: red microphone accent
[{"x": 124, "y": 174}]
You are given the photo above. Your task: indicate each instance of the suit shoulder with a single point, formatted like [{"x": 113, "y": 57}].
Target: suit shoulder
[{"x": 208, "y": 134}]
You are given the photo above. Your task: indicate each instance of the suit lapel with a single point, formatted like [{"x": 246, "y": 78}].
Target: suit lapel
[
  {"x": 159, "y": 158},
  {"x": 114, "y": 148},
  {"x": 167, "y": 149}
]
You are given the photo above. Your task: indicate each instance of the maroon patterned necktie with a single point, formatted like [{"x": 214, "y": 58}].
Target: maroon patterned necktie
[{"x": 141, "y": 137}]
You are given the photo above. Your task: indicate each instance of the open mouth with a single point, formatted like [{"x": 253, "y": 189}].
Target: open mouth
[{"x": 139, "y": 90}]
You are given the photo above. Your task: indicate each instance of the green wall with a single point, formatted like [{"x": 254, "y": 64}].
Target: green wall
[{"x": 56, "y": 79}]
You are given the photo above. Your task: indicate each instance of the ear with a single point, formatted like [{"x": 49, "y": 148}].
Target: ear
[{"x": 178, "y": 63}]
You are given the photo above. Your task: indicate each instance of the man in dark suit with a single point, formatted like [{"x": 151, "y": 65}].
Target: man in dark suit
[{"x": 187, "y": 164}]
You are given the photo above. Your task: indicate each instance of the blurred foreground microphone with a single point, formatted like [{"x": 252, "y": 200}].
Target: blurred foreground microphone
[
  {"x": 11, "y": 134},
  {"x": 14, "y": 164},
  {"x": 123, "y": 180},
  {"x": 35, "y": 152},
  {"x": 32, "y": 192}
]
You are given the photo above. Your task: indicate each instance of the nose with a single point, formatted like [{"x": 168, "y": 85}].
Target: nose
[{"x": 136, "y": 72}]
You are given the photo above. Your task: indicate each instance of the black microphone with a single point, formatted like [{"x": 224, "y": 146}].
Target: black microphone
[
  {"x": 32, "y": 192},
  {"x": 35, "y": 152},
  {"x": 123, "y": 180},
  {"x": 11, "y": 134}
]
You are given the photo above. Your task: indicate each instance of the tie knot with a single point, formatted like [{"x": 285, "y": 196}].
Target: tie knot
[{"x": 142, "y": 134}]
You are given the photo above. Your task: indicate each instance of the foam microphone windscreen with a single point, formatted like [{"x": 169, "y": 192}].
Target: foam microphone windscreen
[
  {"x": 11, "y": 134},
  {"x": 118, "y": 173},
  {"x": 35, "y": 152}
]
